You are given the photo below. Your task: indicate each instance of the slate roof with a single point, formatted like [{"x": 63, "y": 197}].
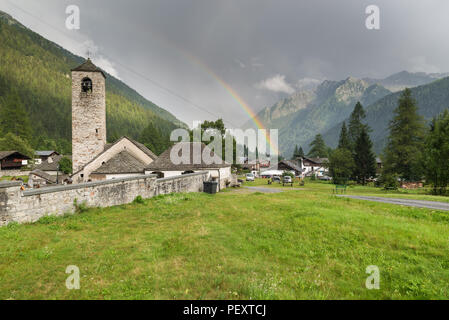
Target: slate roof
[
  {"x": 45, "y": 153},
  {"x": 122, "y": 162},
  {"x": 292, "y": 164},
  {"x": 44, "y": 175},
  {"x": 163, "y": 163},
  {"x": 52, "y": 165},
  {"x": 317, "y": 160},
  {"x": 4, "y": 154},
  {"x": 142, "y": 147},
  {"x": 88, "y": 66}
]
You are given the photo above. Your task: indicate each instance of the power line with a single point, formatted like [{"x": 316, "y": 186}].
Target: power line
[{"x": 155, "y": 83}]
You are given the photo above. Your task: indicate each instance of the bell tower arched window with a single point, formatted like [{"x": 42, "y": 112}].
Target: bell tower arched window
[{"x": 86, "y": 85}]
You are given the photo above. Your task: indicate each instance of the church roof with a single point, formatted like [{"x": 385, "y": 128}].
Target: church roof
[
  {"x": 164, "y": 163},
  {"x": 139, "y": 145},
  {"x": 88, "y": 66},
  {"x": 122, "y": 162}
]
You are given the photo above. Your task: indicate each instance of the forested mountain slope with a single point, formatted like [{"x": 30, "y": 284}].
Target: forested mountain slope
[{"x": 38, "y": 72}]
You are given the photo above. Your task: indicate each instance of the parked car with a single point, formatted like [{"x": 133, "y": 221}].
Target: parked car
[
  {"x": 276, "y": 179},
  {"x": 287, "y": 180},
  {"x": 249, "y": 177}
]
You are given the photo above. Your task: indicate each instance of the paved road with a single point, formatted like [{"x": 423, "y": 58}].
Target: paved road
[
  {"x": 270, "y": 190},
  {"x": 405, "y": 202}
]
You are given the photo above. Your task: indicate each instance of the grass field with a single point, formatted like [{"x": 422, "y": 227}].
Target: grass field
[{"x": 302, "y": 244}]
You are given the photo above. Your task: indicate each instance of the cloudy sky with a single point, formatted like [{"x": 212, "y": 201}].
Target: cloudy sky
[{"x": 203, "y": 59}]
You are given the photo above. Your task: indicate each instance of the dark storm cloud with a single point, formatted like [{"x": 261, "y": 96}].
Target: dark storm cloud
[{"x": 260, "y": 48}]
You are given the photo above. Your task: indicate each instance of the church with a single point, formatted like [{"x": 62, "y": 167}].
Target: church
[
  {"x": 92, "y": 157},
  {"x": 95, "y": 160}
]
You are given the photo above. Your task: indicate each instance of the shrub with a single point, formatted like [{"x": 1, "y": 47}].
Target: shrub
[
  {"x": 389, "y": 181},
  {"x": 139, "y": 200},
  {"x": 80, "y": 207}
]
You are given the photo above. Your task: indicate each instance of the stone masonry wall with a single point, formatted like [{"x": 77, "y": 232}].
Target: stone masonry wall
[
  {"x": 88, "y": 118},
  {"x": 14, "y": 173},
  {"x": 29, "y": 206}
]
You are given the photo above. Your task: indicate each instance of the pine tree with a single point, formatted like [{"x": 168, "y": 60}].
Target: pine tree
[
  {"x": 437, "y": 154},
  {"x": 152, "y": 138},
  {"x": 364, "y": 158},
  {"x": 344, "y": 142},
  {"x": 301, "y": 153},
  {"x": 403, "y": 153},
  {"x": 355, "y": 124},
  {"x": 341, "y": 165},
  {"x": 295, "y": 153},
  {"x": 14, "y": 118},
  {"x": 318, "y": 148}
]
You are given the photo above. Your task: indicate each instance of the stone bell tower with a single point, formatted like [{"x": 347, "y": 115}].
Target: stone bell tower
[{"x": 88, "y": 114}]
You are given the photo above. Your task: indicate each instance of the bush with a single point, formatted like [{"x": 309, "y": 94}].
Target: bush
[
  {"x": 138, "y": 200},
  {"x": 389, "y": 181},
  {"x": 65, "y": 165},
  {"x": 80, "y": 207}
]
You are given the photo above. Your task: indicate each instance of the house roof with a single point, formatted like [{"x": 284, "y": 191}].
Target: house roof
[
  {"x": 45, "y": 153},
  {"x": 317, "y": 160},
  {"x": 122, "y": 162},
  {"x": 4, "y": 154},
  {"x": 139, "y": 145},
  {"x": 44, "y": 175},
  {"x": 88, "y": 66},
  {"x": 164, "y": 163},
  {"x": 292, "y": 164},
  {"x": 51, "y": 164},
  {"x": 48, "y": 177}
]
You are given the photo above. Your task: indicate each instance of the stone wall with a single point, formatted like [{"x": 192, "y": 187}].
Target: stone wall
[
  {"x": 13, "y": 173},
  {"x": 30, "y": 205}
]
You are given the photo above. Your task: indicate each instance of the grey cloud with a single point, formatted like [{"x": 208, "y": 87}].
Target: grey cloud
[{"x": 188, "y": 45}]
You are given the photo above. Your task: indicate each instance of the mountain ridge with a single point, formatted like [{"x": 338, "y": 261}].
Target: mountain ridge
[
  {"x": 306, "y": 113},
  {"x": 431, "y": 99}
]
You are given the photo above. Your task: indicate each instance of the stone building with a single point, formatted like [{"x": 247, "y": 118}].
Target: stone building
[
  {"x": 218, "y": 170},
  {"x": 92, "y": 157}
]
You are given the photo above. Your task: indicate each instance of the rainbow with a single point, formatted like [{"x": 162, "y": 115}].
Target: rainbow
[{"x": 233, "y": 94}]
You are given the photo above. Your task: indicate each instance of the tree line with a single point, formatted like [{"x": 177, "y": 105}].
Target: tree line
[{"x": 415, "y": 151}]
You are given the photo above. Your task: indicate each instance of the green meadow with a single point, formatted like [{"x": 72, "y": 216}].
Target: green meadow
[{"x": 238, "y": 244}]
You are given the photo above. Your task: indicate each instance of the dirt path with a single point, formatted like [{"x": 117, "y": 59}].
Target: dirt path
[{"x": 405, "y": 202}]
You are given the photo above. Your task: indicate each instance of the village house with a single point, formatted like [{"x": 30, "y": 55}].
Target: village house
[
  {"x": 51, "y": 164},
  {"x": 12, "y": 162},
  {"x": 164, "y": 167},
  {"x": 40, "y": 156},
  {"x": 291, "y": 166},
  {"x": 48, "y": 172},
  {"x": 314, "y": 166}
]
